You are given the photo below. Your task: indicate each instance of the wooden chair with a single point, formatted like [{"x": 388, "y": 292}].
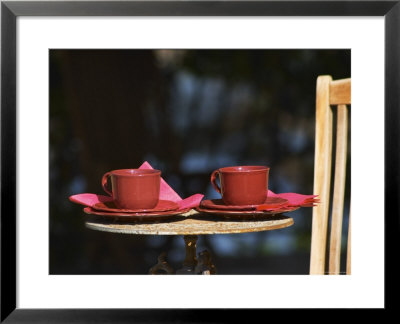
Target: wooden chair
[{"x": 331, "y": 95}]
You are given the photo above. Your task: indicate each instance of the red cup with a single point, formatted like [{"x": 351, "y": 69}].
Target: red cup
[
  {"x": 242, "y": 185},
  {"x": 133, "y": 188}
]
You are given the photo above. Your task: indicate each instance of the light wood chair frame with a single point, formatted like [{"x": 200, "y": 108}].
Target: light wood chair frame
[{"x": 330, "y": 94}]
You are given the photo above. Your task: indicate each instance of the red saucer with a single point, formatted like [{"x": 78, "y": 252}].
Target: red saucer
[
  {"x": 163, "y": 205},
  {"x": 245, "y": 214},
  {"x": 270, "y": 203},
  {"x": 137, "y": 216}
]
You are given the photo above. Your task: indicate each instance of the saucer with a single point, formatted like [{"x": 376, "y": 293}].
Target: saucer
[
  {"x": 163, "y": 205},
  {"x": 136, "y": 216},
  {"x": 270, "y": 203},
  {"x": 245, "y": 214}
]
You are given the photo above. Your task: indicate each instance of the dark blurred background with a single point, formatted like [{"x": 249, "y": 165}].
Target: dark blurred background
[{"x": 186, "y": 112}]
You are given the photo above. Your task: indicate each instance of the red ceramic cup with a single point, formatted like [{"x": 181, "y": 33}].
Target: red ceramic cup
[
  {"x": 242, "y": 185},
  {"x": 133, "y": 188}
]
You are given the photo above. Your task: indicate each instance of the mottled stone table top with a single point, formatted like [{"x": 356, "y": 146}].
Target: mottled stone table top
[{"x": 193, "y": 223}]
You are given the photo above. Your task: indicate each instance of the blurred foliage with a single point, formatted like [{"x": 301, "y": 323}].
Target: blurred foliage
[{"x": 187, "y": 112}]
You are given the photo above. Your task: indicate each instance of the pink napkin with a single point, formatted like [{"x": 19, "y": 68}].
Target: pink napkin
[
  {"x": 166, "y": 193},
  {"x": 294, "y": 200}
]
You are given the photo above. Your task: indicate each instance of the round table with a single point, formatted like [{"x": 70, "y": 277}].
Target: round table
[{"x": 190, "y": 225}]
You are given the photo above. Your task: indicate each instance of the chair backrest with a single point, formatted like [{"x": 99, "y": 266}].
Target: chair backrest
[{"x": 331, "y": 95}]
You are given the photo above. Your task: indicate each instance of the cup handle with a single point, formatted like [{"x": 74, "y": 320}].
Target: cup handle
[
  {"x": 104, "y": 183},
  {"x": 214, "y": 181}
]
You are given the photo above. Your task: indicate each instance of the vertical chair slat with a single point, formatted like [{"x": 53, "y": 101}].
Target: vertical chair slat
[
  {"x": 348, "y": 263},
  {"x": 338, "y": 190},
  {"x": 322, "y": 175}
]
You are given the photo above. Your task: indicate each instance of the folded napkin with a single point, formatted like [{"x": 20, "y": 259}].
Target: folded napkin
[
  {"x": 166, "y": 193},
  {"x": 294, "y": 200}
]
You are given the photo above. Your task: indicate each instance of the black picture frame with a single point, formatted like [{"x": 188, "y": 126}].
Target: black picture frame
[{"x": 10, "y": 10}]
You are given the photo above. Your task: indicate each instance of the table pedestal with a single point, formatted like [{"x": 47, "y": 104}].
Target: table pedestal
[
  {"x": 190, "y": 226},
  {"x": 191, "y": 265},
  {"x": 190, "y": 261}
]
